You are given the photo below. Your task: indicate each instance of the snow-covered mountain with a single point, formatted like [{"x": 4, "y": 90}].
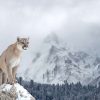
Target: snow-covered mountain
[
  {"x": 14, "y": 92},
  {"x": 54, "y": 63}
]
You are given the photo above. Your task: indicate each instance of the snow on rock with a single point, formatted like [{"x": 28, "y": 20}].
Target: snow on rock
[{"x": 14, "y": 92}]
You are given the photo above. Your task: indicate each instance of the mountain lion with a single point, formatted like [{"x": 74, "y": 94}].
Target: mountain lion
[{"x": 10, "y": 60}]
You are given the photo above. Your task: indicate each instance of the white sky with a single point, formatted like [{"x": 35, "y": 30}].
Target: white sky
[{"x": 75, "y": 21}]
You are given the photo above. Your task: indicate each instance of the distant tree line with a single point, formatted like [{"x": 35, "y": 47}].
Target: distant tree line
[{"x": 61, "y": 92}]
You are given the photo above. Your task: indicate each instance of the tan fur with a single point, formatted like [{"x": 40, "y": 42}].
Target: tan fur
[{"x": 10, "y": 60}]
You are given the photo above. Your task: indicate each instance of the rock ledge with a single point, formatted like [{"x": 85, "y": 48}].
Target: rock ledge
[{"x": 14, "y": 92}]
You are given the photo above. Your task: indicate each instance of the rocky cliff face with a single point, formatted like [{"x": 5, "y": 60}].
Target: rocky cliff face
[{"x": 14, "y": 92}]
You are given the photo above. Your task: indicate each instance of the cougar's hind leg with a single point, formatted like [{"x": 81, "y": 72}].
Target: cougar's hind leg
[
  {"x": 1, "y": 77},
  {"x": 4, "y": 78},
  {"x": 4, "y": 74}
]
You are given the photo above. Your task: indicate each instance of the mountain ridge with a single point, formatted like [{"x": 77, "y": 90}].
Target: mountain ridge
[{"x": 55, "y": 62}]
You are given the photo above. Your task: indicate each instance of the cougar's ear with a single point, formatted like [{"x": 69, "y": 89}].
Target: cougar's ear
[{"x": 18, "y": 39}]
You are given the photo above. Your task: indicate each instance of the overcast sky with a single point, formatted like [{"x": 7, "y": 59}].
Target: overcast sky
[{"x": 76, "y": 21}]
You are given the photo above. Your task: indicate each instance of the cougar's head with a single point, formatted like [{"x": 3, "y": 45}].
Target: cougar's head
[{"x": 23, "y": 43}]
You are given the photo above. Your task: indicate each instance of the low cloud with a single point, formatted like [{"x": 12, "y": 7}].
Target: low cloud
[{"x": 75, "y": 21}]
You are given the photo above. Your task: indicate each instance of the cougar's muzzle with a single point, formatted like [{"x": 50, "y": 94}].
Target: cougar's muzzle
[{"x": 25, "y": 46}]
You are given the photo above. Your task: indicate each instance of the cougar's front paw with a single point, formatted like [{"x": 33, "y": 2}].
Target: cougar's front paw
[
  {"x": 10, "y": 82},
  {"x": 15, "y": 81}
]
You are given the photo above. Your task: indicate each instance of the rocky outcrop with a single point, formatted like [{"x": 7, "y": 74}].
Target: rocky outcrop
[{"x": 14, "y": 92}]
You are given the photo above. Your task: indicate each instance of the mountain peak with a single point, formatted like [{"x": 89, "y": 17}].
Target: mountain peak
[{"x": 52, "y": 38}]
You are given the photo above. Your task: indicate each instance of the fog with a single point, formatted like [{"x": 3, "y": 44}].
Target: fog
[{"x": 77, "y": 22}]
